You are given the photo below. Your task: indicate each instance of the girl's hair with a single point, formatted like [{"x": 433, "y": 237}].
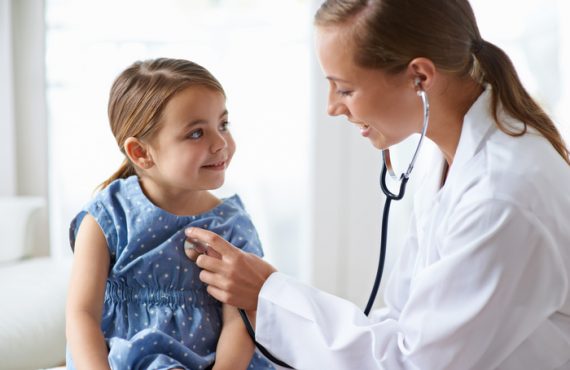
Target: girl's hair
[
  {"x": 140, "y": 93},
  {"x": 388, "y": 34}
]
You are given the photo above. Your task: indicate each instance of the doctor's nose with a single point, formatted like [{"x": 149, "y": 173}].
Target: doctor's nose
[{"x": 336, "y": 108}]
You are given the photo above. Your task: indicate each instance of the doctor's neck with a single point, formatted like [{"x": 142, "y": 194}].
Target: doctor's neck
[{"x": 450, "y": 99}]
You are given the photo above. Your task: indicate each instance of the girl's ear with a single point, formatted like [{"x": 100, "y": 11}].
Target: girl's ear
[{"x": 138, "y": 154}]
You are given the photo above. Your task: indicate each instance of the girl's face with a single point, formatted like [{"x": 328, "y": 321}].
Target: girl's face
[
  {"x": 385, "y": 107},
  {"x": 193, "y": 146}
]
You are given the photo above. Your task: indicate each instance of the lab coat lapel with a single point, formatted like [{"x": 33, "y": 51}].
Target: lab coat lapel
[{"x": 477, "y": 125}]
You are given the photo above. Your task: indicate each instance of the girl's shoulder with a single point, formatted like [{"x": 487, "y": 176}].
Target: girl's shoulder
[
  {"x": 233, "y": 202},
  {"x": 111, "y": 208},
  {"x": 127, "y": 189}
]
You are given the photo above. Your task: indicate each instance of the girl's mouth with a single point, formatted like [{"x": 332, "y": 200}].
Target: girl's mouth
[{"x": 217, "y": 166}]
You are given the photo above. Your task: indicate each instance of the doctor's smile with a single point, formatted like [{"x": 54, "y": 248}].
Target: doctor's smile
[{"x": 365, "y": 130}]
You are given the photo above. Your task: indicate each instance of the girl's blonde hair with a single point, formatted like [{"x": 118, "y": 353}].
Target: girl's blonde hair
[
  {"x": 140, "y": 93},
  {"x": 389, "y": 34}
]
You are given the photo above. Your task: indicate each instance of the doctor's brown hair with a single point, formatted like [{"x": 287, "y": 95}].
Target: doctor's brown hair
[
  {"x": 140, "y": 94},
  {"x": 388, "y": 34}
]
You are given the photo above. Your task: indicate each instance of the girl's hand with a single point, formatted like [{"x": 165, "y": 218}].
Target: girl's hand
[{"x": 233, "y": 277}]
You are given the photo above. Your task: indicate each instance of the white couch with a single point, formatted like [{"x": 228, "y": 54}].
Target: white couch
[{"x": 32, "y": 292}]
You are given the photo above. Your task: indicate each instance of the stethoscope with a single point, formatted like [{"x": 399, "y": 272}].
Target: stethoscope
[{"x": 387, "y": 169}]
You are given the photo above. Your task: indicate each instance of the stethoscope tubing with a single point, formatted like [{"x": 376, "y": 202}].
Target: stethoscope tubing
[{"x": 384, "y": 233}]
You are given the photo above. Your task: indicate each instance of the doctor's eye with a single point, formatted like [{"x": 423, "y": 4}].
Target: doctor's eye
[
  {"x": 344, "y": 93},
  {"x": 224, "y": 126},
  {"x": 196, "y": 134}
]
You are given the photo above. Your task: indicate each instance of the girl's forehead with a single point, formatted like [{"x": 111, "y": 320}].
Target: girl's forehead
[
  {"x": 194, "y": 103},
  {"x": 196, "y": 98}
]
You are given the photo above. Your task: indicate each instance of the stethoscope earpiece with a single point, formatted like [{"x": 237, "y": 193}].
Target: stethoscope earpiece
[{"x": 418, "y": 85}]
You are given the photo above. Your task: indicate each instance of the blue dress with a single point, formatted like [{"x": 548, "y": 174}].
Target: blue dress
[{"x": 157, "y": 313}]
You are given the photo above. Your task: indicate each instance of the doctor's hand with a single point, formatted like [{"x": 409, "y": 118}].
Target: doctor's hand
[{"x": 233, "y": 276}]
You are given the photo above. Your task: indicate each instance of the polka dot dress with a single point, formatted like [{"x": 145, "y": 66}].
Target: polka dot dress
[{"x": 157, "y": 313}]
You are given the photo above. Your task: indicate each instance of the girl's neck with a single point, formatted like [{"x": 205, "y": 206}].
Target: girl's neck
[{"x": 180, "y": 203}]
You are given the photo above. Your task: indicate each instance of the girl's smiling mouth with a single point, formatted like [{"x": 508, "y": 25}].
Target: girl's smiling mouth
[{"x": 221, "y": 165}]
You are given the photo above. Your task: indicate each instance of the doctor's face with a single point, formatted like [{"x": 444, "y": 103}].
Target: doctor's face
[{"x": 384, "y": 106}]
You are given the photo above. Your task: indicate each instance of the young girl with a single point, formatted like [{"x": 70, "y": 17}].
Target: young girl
[{"x": 135, "y": 300}]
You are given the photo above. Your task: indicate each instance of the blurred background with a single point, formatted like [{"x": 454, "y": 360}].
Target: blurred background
[{"x": 309, "y": 181}]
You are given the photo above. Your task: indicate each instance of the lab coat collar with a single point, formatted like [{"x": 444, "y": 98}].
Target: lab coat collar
[{"x": 478, "y": 124}]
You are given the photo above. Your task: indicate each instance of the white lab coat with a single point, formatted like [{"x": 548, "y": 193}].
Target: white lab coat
[{"x": 481, "y": 283}]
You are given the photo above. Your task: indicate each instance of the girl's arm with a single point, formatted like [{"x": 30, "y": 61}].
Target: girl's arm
[
  {"x": 85, "y": 297},
  {"x": 235, "y": 347}
]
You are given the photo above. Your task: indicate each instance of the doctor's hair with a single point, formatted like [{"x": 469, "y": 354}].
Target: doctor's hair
[
  {"x": 140, "y": 94},
  {"x": 389, "y": 34}
]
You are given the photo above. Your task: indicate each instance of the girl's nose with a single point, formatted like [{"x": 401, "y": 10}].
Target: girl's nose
[{"x": 219, "y": 142}]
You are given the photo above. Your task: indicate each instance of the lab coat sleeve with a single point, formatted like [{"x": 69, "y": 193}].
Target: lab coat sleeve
[{"x": 489, "y": 288}]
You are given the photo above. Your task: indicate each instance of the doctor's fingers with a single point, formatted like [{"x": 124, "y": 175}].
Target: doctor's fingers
[
  {"x": 211, "y": 239},
  {"x": 191, "y": 253},
  {"x": 218, "y": 285},
  {"x": 228, "y": 291},
  {"x": 233, "y": 300},
  {"x": 211, "y": 263}
]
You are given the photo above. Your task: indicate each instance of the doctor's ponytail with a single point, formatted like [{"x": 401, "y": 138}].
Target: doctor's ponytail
[
  {"x": 496, "y": 69},
  {"x": 388, "y": 34}
]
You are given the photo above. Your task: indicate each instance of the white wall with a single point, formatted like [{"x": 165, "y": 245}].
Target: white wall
[
  {"x": 23, "y": 118},
  {"x": 7, "y": 127}
]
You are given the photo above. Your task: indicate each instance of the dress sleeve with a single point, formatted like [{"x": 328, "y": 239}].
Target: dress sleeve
[
  {"x": 244, "y": 235},
  {"x": 241, "y": 231},
  {"x": 469, "y": 310},
  {"x": 104, "y": 219}
]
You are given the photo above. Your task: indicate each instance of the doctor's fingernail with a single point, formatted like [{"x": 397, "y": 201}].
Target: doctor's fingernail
[{"x": 188, "y": 245}]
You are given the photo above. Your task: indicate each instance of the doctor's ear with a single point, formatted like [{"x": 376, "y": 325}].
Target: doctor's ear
[
  {"x": 138, "y": 153},
  {"x": 422, "y": 72}
]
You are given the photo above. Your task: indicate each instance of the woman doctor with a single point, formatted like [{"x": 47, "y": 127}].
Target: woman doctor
[{"x": 483, "y": 279}]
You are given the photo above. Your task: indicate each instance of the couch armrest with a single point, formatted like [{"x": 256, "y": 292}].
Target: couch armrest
[
  {"x": 16, "y": 226},
  {"x": 32, "y": 324}
]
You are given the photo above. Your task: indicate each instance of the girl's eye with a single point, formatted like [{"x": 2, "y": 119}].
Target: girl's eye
[
  {"x": 196, "y": 134},
  {"x": 224, "y": 126}
]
